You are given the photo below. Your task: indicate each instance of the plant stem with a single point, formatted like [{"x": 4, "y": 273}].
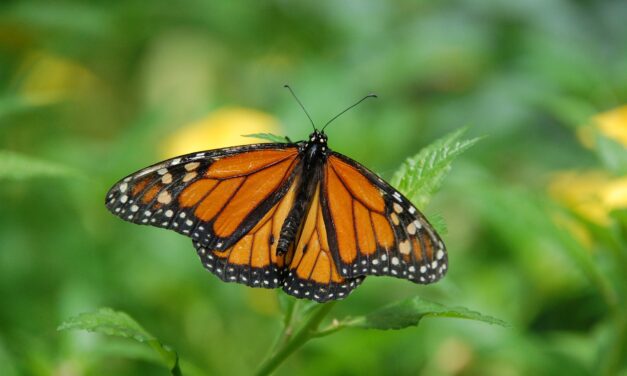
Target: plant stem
[
  {"x": 288, "y": 325},
  {"x": 304, "y": 334}
]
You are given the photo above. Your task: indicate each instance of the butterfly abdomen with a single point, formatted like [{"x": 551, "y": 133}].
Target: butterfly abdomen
[{"x": 312, "y": 172}]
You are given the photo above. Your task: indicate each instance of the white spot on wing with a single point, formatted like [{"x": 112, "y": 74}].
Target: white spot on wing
[
  {"x": 192, "y": 166},
  {"x": 404, "y": 248},
  {"x": 167, "y": 178},
  {"x": 189, "y": 176},
  {"x": 164, "y": 197},
  {"x": 411, "y": 229}
]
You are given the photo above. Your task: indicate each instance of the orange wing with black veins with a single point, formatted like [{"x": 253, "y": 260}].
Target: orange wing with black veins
[
  {"x": 374, "y": 230},
  {"x": 312, "y": 269}
]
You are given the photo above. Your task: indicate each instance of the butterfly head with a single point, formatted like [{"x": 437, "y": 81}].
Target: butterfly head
[
  {"x": 318, "y": 138},
  {"x": 315, "y": 147}
]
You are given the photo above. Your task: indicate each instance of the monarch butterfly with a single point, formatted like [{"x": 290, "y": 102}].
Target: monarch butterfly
[{"x": 294, "y": 215}]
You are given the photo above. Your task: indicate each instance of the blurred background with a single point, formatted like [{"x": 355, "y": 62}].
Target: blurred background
[{"x": 536, "y": 212}]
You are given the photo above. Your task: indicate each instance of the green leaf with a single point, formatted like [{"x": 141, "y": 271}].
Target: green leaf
[
  {"x": 17, "y": 166},
  {"x": 409, "y": 312},
  {"x": 421, "y": 175},
  {"x": 438, "y": 223},
  {"x": 15, "y": 104},
  {"x": 119, "y": 324},
  {"x": 267, "y": 136}
]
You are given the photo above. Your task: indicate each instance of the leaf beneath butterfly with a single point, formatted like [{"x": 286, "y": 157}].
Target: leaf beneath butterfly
[
  {"x": 421, "y": 175},
  {"x": 115, "y": 323},
  {"x": 17, "y": 166},
  {"x": 409, "y": 312},
  {"x": 267, "y": 136},
  {"x": 438, "y": 223}
]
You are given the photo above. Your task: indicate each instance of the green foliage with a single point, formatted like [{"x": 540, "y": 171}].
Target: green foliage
[
  {"x": 13, "y": 104},
  {"x": 410, "y": 312},
  {"x": 438, "y": 223},
  {"x": 421, "y": 175},
  {"x": 612, "y": 154},
  {"x": 15, "y": 166},
  {"x": 267, "y": 136},
  {"x": 115, "y": 323},
  {"x": 103, "y": 91},
  {"x": 399, "y": 315}
]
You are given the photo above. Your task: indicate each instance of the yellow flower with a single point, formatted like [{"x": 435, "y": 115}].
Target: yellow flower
[
  {"x": 592, "y": 194},
  {"x": 47, "y": 78},
  {"x": 221, "y": 128},
  {"x": 612, "y": 124}
]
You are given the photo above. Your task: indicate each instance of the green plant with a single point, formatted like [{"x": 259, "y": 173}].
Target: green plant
[{"x": 419, "y": 177}]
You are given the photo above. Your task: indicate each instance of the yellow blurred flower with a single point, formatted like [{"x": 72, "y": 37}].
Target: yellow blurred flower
[
  {"x": 47, "y": 78},
  {"x": 612, "y": 124},
  {"x": 221, "y": 128},
  {"x": 592, "y": 194}
]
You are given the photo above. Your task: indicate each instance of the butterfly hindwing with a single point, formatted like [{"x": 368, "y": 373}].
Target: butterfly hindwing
[
  {"x": 375, "y": 230},
  {"x": 253, "y": 259},
  {"x": 312, "y": 271},
  {"x": 214, "y": 197}
]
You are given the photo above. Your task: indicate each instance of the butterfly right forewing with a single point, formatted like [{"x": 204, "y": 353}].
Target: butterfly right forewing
[{"x": 375, "y": 230}]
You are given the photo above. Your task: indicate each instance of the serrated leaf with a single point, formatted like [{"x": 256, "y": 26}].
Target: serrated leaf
[
  {"x": 115, "y": 323},
  {"x": 17, "y": 166},
  {"x": 421, "y": 175},
  {"x": 438, "y": 223},
  {"x": 267, "y": 136},
  {"x": 409, "y": 312}
]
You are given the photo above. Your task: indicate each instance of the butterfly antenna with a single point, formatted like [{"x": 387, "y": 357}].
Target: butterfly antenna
[
  {"x": 358, "y": 102},
  {"x": 301, "y": 105}
]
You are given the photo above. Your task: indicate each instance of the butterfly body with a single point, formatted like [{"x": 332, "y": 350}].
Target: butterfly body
[
  {"x": 294, "y": 215},
  {"x": 314, "y": 156}
]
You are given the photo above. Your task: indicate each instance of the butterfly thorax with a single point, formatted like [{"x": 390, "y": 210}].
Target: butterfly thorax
[
  {"x": 314, "y": 153},
  {"x": 314, "y": 149}
]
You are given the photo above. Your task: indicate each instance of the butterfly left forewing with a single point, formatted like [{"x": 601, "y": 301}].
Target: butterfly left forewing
[
  {"x": 253, "y": 260},
  {"x": 214, "y": 197},
  {"x": 374, "y": 230}
]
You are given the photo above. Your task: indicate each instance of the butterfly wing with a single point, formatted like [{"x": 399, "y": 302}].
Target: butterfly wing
[
  {"x": 311, "y": 268},
  {"x": 214, "y": 197},
  {"x": 234, "y": 202},
  {"x": 253, "y": 259},
  {"x": 374, "y": 230}
]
